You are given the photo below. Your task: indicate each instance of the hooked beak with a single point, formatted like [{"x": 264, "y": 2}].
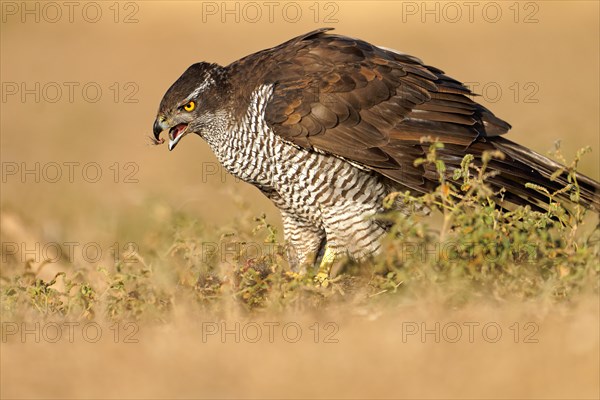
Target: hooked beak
[
  {"x": 157, "y": 130},
  {"x": 175, "y": 133}
]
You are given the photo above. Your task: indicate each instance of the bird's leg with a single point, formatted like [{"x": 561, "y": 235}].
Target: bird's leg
[
  {"x": 325, "y": 267},
  {"x": 353, "y": 236},
  {"x": 304, "y": 240}
]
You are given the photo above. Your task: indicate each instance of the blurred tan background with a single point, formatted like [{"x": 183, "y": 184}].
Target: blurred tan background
[
  {"x": 542, "y": 56},
  {"x": 547, "y": 73}
]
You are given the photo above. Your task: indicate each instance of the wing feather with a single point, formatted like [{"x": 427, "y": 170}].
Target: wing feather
[{"x": 372, "y": 106}]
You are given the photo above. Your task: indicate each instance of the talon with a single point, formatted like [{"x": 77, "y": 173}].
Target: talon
[
  {"x": 322, "y": 279},
  {"x": 293, "y": 275}
]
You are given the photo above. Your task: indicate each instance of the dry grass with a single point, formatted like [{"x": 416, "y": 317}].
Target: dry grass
[
  {"x": 370, "y": 360},
  {"x": 230, "y": 306},
  {"x": 198, "y": 256}
]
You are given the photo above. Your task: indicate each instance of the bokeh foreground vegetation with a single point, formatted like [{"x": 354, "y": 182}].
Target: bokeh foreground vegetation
[{"x": 469, "y": 249}]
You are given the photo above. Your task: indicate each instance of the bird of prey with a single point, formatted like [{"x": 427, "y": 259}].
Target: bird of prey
[{"x": 326, "y": 126}]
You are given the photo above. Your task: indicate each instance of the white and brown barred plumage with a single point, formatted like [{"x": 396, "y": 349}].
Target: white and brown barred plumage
[{"x": 326, "y": 126}]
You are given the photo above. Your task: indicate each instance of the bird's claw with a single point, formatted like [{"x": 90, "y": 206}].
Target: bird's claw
[
  {"x": 293, "y": 275},
  {"x": 322, "y": 279}
]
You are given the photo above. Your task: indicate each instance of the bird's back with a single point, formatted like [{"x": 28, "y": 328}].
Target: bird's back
[{"x": 372, "y": 106}]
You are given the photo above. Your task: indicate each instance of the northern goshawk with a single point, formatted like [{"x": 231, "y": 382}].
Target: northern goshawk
[{"x": 327, "y": 126}]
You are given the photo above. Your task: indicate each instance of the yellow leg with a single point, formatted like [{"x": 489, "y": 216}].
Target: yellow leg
[
  {"x": 308, "y": 262},
  {"x": 322, "y": 277}
]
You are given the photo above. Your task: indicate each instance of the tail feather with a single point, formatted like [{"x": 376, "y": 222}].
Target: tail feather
[{"x": 538, "y": 169}]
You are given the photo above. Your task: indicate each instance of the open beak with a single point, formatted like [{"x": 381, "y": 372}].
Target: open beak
[{"x": 175, "y": 133}]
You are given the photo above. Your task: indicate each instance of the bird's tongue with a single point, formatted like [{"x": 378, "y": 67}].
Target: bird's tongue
[{"x": 177, "y": 130}]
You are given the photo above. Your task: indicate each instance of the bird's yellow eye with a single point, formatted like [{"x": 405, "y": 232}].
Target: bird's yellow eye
[{"x": 190, "y": 106}]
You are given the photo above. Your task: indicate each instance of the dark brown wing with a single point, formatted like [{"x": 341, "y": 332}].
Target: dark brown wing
[
  {"x": 372, "y": 106},
  {"x": 366, "y": 104}
]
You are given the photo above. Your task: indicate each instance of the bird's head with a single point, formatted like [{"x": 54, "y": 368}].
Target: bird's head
[{"x": 193, "y": 104}]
